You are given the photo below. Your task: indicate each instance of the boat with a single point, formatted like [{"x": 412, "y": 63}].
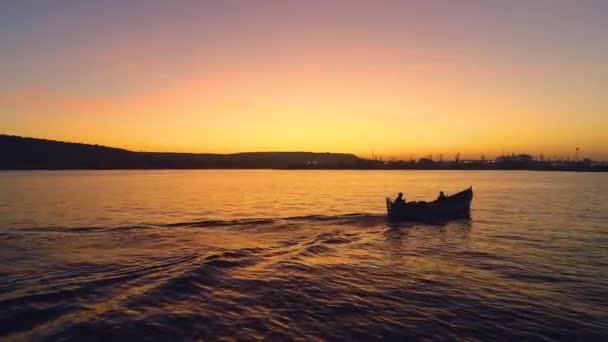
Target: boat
[{"x": 454, "y": 206}]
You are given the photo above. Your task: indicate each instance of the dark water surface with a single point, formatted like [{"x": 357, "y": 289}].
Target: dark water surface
[{"x": 281, "y": 255}]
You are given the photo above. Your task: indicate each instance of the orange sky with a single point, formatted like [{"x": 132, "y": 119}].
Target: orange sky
[{"x": 402, "y": 78}]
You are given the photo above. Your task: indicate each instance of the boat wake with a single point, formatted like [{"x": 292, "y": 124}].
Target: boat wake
[
  {"x": 186, "y": 280},
  {"x": 357, "y": 219},
  {"x": 328, "y": 277}
]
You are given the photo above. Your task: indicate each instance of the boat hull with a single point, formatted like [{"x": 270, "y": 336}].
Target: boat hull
[{"x": 457, "y": 205}]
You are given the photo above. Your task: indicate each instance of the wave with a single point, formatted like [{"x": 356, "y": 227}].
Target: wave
[
  {"x": 342, "y": 219},
  {"x": 352, "y": 217}
]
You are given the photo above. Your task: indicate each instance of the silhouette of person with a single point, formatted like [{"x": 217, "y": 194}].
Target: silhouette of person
[
  {"x": 442, "y": 196},
  {"x": 400, "y": 199}
]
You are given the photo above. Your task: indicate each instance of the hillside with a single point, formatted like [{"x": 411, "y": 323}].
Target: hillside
[{"x": 20, "y": 153}]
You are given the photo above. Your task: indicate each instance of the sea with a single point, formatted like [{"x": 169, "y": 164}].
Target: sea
[{"x": 300, "y": 255}]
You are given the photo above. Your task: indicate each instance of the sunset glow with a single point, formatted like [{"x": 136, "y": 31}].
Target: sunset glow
[{"x": 401, "y": 78}]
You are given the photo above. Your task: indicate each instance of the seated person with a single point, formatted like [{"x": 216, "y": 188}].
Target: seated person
[
  {"x": 400, "y": 199},
  {"x": 442, "y": 196}
]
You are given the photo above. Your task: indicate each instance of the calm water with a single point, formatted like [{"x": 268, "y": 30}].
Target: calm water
[{"x": 286, "y": 255}]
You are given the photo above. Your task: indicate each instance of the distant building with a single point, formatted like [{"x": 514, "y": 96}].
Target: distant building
[
  {"x": 425, "y": 161},
  {"x": 519, "y": 158}
]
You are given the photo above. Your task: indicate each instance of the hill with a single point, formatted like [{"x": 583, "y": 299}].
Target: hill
[{"x": 20, "y": 153}]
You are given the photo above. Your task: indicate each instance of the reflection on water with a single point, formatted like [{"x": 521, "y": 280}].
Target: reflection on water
[{"x": 291, "y": 254}]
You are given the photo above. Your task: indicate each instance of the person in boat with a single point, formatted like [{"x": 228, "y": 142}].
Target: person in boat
[
  {"x": 442, "y": 196},
  {"x": 399, "y": 199}
]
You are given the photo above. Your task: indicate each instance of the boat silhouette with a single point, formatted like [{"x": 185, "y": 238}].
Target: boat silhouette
[{"x": 454, "y": 206}]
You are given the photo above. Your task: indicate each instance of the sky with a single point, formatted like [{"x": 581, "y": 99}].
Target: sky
[{"x": 404, "y": 79}]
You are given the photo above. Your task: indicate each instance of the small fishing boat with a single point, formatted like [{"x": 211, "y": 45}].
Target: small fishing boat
[{"x": 457, "y": 205}]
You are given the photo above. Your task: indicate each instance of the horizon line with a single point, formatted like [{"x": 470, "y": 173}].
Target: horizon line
[{"x": 373, "y": 156}]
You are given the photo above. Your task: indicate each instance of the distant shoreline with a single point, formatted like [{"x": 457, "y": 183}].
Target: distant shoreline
[
  {"x": 301, "y": 169},
  {"x": 31, "y": 154}
]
